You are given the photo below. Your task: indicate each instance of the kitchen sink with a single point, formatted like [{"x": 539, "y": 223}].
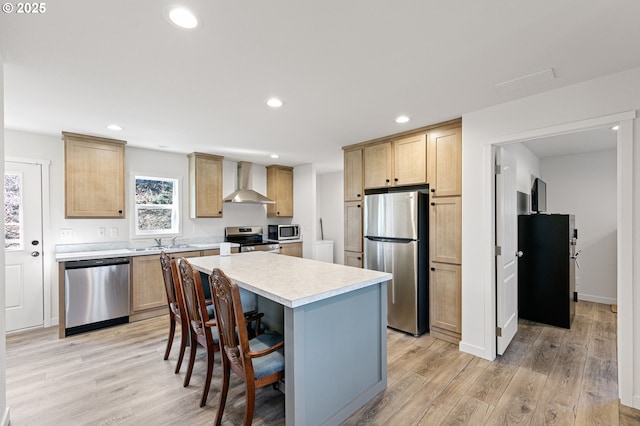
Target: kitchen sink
[{"x": 160, "y": 248}]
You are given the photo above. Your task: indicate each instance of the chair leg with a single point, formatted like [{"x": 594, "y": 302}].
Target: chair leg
[
  {"x": 251, "y": 402},
  {"x": 223, "y": 392},
  {"x": 183, "y": 345},
  {"x": 207, "y": 380},
  {"x": 172, "y": 330},
  {"x": 192, "y": 358}
]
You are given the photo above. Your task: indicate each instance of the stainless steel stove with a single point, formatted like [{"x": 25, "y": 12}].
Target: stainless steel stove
[{"x": 249, "y": 238}]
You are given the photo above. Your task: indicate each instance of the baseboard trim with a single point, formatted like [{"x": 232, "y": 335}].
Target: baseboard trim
[
  {"x": 6, "y": 419},
  {"x": 636, "y": 402},
  {"x": 597, "y": 299}
]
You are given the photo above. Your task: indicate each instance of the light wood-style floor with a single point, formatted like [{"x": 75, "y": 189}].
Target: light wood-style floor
[{"x": 117, "y": 376}]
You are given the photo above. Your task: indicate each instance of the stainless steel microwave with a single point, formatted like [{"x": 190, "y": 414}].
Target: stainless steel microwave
[{"x": 284, "y": 232}]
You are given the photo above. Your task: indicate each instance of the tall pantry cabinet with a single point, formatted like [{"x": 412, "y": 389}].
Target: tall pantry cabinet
[{"x": 430, "y": 155}]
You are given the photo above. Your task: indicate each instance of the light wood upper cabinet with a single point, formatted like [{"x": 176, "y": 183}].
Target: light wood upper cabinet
[
  {"x": 445, "y": 229},
  {"x": 399, "y": 162},
  {"x": 205, "y": 185},
  {"x": 353, "y": 226},
  {"x": 353, "y": 175},
  {"x": 280, "y": 190},
  {"x": 410, "y": 160},
  {"x": 445, "y": 161},
  {"x": 378, "y": 165},
  {"x": 94, "y": 177}
]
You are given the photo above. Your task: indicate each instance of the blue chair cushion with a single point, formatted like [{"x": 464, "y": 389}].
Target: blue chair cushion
[
  {"x": 271, "y": 363},
  {"x": 210, "y": 312}
]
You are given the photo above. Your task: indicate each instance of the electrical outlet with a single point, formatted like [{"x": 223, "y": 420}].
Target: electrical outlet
[
  {"x": 66, "y": 233},
  {"x": 113, "y": 232},
  {"x": 102, "y": 232}
]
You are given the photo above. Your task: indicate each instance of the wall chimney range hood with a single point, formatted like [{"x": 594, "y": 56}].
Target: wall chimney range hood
[{"x": 244, "y": 194}]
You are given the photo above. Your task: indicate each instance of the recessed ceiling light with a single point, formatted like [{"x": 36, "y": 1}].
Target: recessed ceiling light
[
  {"x": 615, "y": 127},
  {"x": 114, "y": 127},
  {"x": 402, "y": 119},
  {"x": 274, "y": 102},
  {"x": 183, "y": 18},
  {"x": 275, "y": 156}
]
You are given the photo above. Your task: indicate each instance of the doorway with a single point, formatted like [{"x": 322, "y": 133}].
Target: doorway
[
  {"x": 624, "y": 244},
  {"x": 24, "y": 266}
]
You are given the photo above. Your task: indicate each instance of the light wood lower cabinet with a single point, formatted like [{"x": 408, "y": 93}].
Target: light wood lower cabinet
[
  {"x": 291, "y": 249},
  {"x": 353, "y": 226},
  {"x": 445, "y": 301},
  {"x": 353, "y": 259},
  {"x": 148, "y": 296}
]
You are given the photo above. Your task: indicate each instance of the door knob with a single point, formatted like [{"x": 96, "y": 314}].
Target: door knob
[
  {"x": 519, "y": 253},
  {"x": 35, "y": 242},
  {"x": 35, "y": 253}
]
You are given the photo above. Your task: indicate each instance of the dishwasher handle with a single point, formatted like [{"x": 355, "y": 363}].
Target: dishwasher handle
[{"x": 92, "y": 263}]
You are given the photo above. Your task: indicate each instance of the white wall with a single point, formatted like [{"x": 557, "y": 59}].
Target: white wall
[
  {"x": 527, "y": 164},
  {"x": 564, "y": 109},
  {"x": 4, "y": 410},
  {"x": 585, "y": 185},
  {"x": 304, "y": 206},
  {"x": 331, "y": 209}
]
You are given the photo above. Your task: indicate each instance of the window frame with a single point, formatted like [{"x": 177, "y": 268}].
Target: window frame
[{"x": 175, "y": 207}]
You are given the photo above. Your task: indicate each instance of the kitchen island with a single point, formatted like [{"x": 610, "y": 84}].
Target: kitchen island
[{"x": 335, "y": 320}]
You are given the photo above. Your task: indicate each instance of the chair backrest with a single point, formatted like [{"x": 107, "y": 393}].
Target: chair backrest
[
  {"x": 169, "y": 285},
  {"x": 193, "y": 296},
  {"x": 232, "y": 329}
]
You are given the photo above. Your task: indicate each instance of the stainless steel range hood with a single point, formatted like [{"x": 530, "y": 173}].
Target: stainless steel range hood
[{"x": 244, "y": 194}]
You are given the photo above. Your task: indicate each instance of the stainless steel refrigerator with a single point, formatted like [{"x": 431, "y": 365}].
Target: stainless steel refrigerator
[{"x": 396, "y": 240}]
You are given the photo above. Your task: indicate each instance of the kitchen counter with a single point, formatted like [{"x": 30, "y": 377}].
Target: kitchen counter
[
  {"x": 290, "y": 281},
  {"x": 335, "y": 324},
  {"x": 71, "y": 252}
]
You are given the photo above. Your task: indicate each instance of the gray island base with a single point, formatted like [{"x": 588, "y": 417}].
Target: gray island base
[{"x": 335, "y": 320}]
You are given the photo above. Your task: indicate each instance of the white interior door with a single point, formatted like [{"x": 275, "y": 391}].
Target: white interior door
[
  {"x": 23, "y": 246},
  {"x": 506, "y": 257}
]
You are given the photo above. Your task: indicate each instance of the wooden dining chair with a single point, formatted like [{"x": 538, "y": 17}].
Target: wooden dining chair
[
  {"x": 258, "y": 362},
  {"x": 203, "y": 331},
  {"x": 176, "y": 310}
]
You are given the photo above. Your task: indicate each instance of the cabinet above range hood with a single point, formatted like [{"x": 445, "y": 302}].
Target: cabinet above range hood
[{"x": 244, "y": 194}]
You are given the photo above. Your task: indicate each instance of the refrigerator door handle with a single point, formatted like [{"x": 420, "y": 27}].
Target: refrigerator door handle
[{"x": 389, "y": 240}]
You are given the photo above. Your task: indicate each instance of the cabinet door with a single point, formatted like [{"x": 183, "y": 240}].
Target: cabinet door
[
  {"x": 291, "y": 249},
  {"x": 353, "y": 177},
  {"x": 280, "y": 189},
  {"x": 445, "y": 229},
  {"x": 147, "y": 283},
  {"x": 94, "y": 178},
  {"x": 410, "y": 160},
  {"x": 205, "y": 185},
  {"x": 353, "y": 226},
  {"x": 445, "y": 162},
  {"x": 377, "y": 165},
  {"x": 445, "y": 300},
  {"x": 352, "y": 258}
]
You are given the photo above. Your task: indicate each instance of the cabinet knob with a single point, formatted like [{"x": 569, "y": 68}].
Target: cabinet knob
[
  {"x": 433, "y": 269},
  {"x": 358, "y": 195},
  {"x": 359, "y": 258},
  {"x": 278, "y": 213},
  {"x": 387, "y": 180},
  {"x": 220, "y": 212},
  {"x": 358, "y": 205},
  {"x": 395, "y": 179},
  {"x": 433, "y": 190},
  {"x": 433, "y": 204},
  {"x": 119, "y": 211}
]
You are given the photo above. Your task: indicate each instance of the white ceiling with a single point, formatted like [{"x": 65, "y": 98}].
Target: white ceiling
[
  {"x": 601, "y": 139},
  {"x": 345, "y": 69}
]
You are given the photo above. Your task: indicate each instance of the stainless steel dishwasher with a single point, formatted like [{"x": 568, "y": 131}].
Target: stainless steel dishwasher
[{"x": 96, "y": 294}]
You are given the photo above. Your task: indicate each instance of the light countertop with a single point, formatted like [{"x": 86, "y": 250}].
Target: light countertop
[
  {"x": 93, "y": 251},
  {"x": 290, "y": 281}
]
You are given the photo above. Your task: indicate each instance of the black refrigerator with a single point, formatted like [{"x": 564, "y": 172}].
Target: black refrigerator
[{"x": 546, "y": 270}]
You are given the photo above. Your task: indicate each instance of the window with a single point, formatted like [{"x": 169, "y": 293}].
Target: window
[
  {"x": 157, "y": 204},
  {"x": 13, "y": 211}
]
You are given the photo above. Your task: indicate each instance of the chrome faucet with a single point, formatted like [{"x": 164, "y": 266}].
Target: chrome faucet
[{"x": 158, "y": 241}]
